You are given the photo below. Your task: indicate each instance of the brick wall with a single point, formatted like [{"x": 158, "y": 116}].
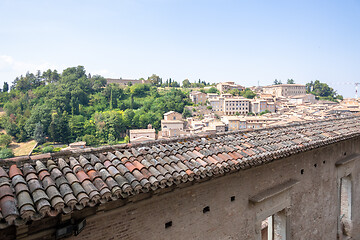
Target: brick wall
[{"x": 313, "y": 210}]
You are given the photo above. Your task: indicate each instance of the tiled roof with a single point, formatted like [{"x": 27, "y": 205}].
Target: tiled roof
[{"x": 32, "y": 188}]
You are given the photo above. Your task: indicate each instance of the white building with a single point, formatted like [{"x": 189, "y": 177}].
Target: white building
[
  {"x": 285, "y": 90},
  {"x": 226, "y": 105}
]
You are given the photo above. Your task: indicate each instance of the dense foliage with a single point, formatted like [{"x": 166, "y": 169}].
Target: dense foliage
[
  {"x": 247, "y": 93},
  {"x": 74, "y": 106},
  {"x": 322, "y": 91}
]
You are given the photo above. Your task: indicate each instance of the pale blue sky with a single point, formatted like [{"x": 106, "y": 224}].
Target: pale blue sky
[{"x": 241, "y": 41}]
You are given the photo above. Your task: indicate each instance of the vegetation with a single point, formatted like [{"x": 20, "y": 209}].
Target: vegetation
[
  {"x": 74, "y": 106},
  {"x": 5, "y": 140},
  {"x": 264, "y": 112},
  {"x": 322, "y": 91},
  {"x": 6, "y": 153},
  {"x": 247, "y": 93}
]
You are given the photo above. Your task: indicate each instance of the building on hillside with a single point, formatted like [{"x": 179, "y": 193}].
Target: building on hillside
[
  {"x": 230, "y": 105},
  {"x": 124, "y": 82},
  {"x": 302, "y": 99},
  {"x": 198, "y": 97},
  {"x": 285, "y": 90},
  {"x": 260, "y": 105},
  {"x": 226, "y": 86},
  {"x": 142, "y": 135},
  {"x": 212, "y": 95},
  {"x": 294, "y": 182},
  {"x": 235, "y": 123},
  {"x": 172, "y": 125}
]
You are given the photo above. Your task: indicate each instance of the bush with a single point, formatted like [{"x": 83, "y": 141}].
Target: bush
[
  {"x": 209, "y": 107},
  {"x": 47, "y": 149},
  {"x": 57, "y": 149},
  {"x": 90, "y": 140},
  {"x": 6, "y": 153},
  {"x": 5, "y": 140}
]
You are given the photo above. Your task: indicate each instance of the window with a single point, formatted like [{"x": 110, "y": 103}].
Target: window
[
  {"x": 345, "y": 204},
  {"x": 274, "y": 227}
]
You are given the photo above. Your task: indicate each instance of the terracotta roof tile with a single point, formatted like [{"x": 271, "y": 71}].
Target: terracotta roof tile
[{"x": 53, "y": 185}]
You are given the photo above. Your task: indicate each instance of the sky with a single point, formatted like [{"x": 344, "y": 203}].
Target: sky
[{"x": 249, "y": 42}]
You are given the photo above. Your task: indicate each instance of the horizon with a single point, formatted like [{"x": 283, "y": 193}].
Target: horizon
[{"x": 249, "y": 43}]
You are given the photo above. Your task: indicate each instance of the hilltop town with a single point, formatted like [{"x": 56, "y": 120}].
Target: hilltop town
[
  {"x": 224, "y": 110},
  {"x": 50, "y": 111}
]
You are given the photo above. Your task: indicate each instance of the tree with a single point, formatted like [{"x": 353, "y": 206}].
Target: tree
[
  {"x": 39, "y": 134},
  {"x": 154, "y": 80},
  {"x": 5, "y": 140},
  {"x": 186, "y": 113},
  {"x": 59, "y": 128},
  {"x": 5, "y": 87},
  {"x": 247, "y": 93},
  {"x": 277, "y": 82},
  {"x": 186, "y": 83},
  {"x": 322, "y": 91},
  {"x": 90, "y": 140},
  {"x": 127, "y": 139},
  {"x": 212, "y": 90},
  {"x": 290, "y": 81}
]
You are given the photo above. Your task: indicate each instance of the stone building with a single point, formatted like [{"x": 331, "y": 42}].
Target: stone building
[
  {"x": 124, "y": 82},
  {"x": 226, "y": 104},
  {"x": 142, "y": 135},
  {"x": 285, "y": 90},
  {"x": 294, "y": 182},
  {"x": 172, "y": 125},
  {"x": 226, "y": 86},
  {"x": 260, "y": 105},
  {"x": 198, "y": 97}
]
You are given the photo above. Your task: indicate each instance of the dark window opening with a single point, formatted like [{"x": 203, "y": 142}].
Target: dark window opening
[
  {"x": 168, "y": 224},
  {"x": 232, "y": 198},
  {"x": 206, "y": 209},
  {"x": 315, "y": 165},
  {"x": 344, "y": 153},
  {"x": 302, "y": 171},
  {"x": 324, "y": 162}
]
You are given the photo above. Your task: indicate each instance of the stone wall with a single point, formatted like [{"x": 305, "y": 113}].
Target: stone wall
[
  {"x": 220, "y": 208},
  {"x": 312, "y": 205}
]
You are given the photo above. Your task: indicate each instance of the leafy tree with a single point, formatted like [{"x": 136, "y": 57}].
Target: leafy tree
[
  {"x": 277, "y": 82},
  {"x": 186, "y": 83},
  {"x": 5, "y": 140},
  {"x": 5, "y": 87},
  {"x": 186, "y": 113},
  {"x": 247, "y": 93},
  {"x": 127, "y": 139},
  {"x": 212, "y": 90},
  {"x": 39, "y": 134},
  {"x": 154, "y": 80},
  {"x": 6, "y": 153},
  {"x": 322, "y": 91},
  {"x": 235, "y": 92},
  {"x": 59, "y": 129},
  {"x": 290, "y": 81},
  {"x": 90, "y": 140}
]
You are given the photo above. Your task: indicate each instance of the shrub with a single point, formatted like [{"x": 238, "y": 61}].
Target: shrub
[
  {"x": 6, "y": 153},
  {"x": 47, "y": 149},
  {"x": 5, "y": 140}
]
